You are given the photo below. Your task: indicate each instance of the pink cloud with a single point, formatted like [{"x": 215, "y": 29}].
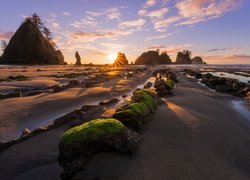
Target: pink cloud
[{"x": 6, "y": 35}]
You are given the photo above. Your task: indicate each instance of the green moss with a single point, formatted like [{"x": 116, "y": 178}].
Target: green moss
[
  {"x": 91, "y": 130},
  {"x": 170, "y": 83},
  {"x": 146, "y": 97}
]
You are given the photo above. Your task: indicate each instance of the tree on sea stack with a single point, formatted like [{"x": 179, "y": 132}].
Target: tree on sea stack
[
  {"x": 121, "y": 60},
  {"x": 32, "y": 44},
  {"x": 78, "y": 59}
]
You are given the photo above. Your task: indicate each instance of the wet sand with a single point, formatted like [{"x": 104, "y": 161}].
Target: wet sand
[
  {"x": 41, "y": 110},
  {"x": 195, "y": 134}
]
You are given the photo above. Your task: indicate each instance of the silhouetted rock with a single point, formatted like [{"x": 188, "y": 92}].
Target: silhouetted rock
[
  {"x": 183, "y": 57},
  {"x": 29, "y": 46},
  {"x": 121, "y": 60},
  {"x": 153, "y": 58},
  {"x": 78, "y": 58},
  {"x": 197, "y": 60},
  {"x": 59, "y": 57}
]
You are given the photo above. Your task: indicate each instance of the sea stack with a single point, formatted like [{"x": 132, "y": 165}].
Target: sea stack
[
  {"x": 78, "y": 59},
  {"x": 197, "y": 60},
  {"x": 29, "y": 46},
  {"x": 153, "y": 58},
  {"x": 184, "y": 57},
  {"x": 121, "y": 60}
]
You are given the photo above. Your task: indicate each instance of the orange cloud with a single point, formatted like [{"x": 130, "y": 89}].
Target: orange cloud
[{"x": 6, "y": 35}]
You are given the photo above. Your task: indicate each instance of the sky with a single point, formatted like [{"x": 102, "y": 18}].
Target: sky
[{"x": 216, "y": 30}]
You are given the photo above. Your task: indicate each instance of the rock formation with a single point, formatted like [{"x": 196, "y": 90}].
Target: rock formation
[
  {"x": 29, "y": 46},
  {"x": 183, "y": 57},
  {"x": 80, "y": 143},
  {"x": 153, "y": 58},
  {"x": 78, "y": 58},
  {"x": 197, "y": 60},
  {"x": 121, "y": 60}
]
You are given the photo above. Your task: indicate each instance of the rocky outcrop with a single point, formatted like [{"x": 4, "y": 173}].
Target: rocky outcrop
[
  {"x": 121, "y": 60},
  {"x": 80, "y": 143},
  {"x": 29, "y": 46},
  {"x": 221, "y": 84},
  {"x": 183, "y": 57},
  {"x": 197, "y": 60},
  {"x": 78, "y": 58},
  {"x": 138, "y": 111},
  {"x": 153, "y": 58}
]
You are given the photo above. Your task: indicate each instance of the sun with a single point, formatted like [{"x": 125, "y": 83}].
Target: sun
[{"x": 112, "y": 56}]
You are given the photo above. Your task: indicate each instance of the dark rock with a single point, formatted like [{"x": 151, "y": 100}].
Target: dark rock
[
  {"x": 58, "y": 88},
  {"x": 33, "y": 93},
  {"x": 197, "y": 60},
  {"x": 223, "y": 88},
  {"x": 76, "y": 147},
  {"x": 148, "y": 85},
  {"x": 109, "y": 102},
  {"x": 26, "y": 132},
  {"x": 29, "y": 46},
  {"x": 72, "y": 83},
  {"x": 198, "y": 75},
  {"x": 153, "y": 58},
  {"x": 11, "y": 95},
  {"x": 78, "y": 58},
  {"x": 124, "y": 96},
  {"x": 183, "y": 57}
]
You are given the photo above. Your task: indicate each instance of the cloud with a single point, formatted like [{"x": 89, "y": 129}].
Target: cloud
[
  {"x": 162, "y": 25},
  {"x": 154, "y": 14},
  {"x": 195, "y": 11},
  {"x": 138, "y": 23},
  {"x": 88, "y": 21},
  {"x": 99, "y": 53},
  {"x": 66, "y": 13},
  {"x": 6, "y": 35},
  {"x": 159, "y": 37},
  {"x": 92, "y": 36},
  {"x": 225, "y": 49},
  {"x": 112, "y": 13},
  {"x": 150, "y": 3}
]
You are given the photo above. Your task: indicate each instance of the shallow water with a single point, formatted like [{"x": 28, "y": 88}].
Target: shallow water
[
  {"x": 242, "y": 107},
  {"x": 231, "y": 76}
]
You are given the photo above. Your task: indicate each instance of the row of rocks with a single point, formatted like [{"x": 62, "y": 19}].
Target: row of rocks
[
  {"x": 17, "y": 78},
  {"x": 221, "y": 84},
  {"x": 119, "y": 133},
  {"x": 165, "y": 81}
]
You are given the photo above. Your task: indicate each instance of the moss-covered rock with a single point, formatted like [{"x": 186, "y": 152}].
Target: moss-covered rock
[
  {"x": 80, "y": 143},
  {"x": 137, "y": 112},
  {"x": 91, "y": 130}
]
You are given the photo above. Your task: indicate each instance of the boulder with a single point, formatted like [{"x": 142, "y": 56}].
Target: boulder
[
  {"x": 109, "y": 102},
  {"x": 138, "y": 111},
  {"x": 148, "y": 85},
  {"x": 80, "y": 143},
  {"x": 26, "y": 132}
]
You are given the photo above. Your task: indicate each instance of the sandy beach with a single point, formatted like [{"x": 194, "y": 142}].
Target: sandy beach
[{"x": 195, "y": 134}]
